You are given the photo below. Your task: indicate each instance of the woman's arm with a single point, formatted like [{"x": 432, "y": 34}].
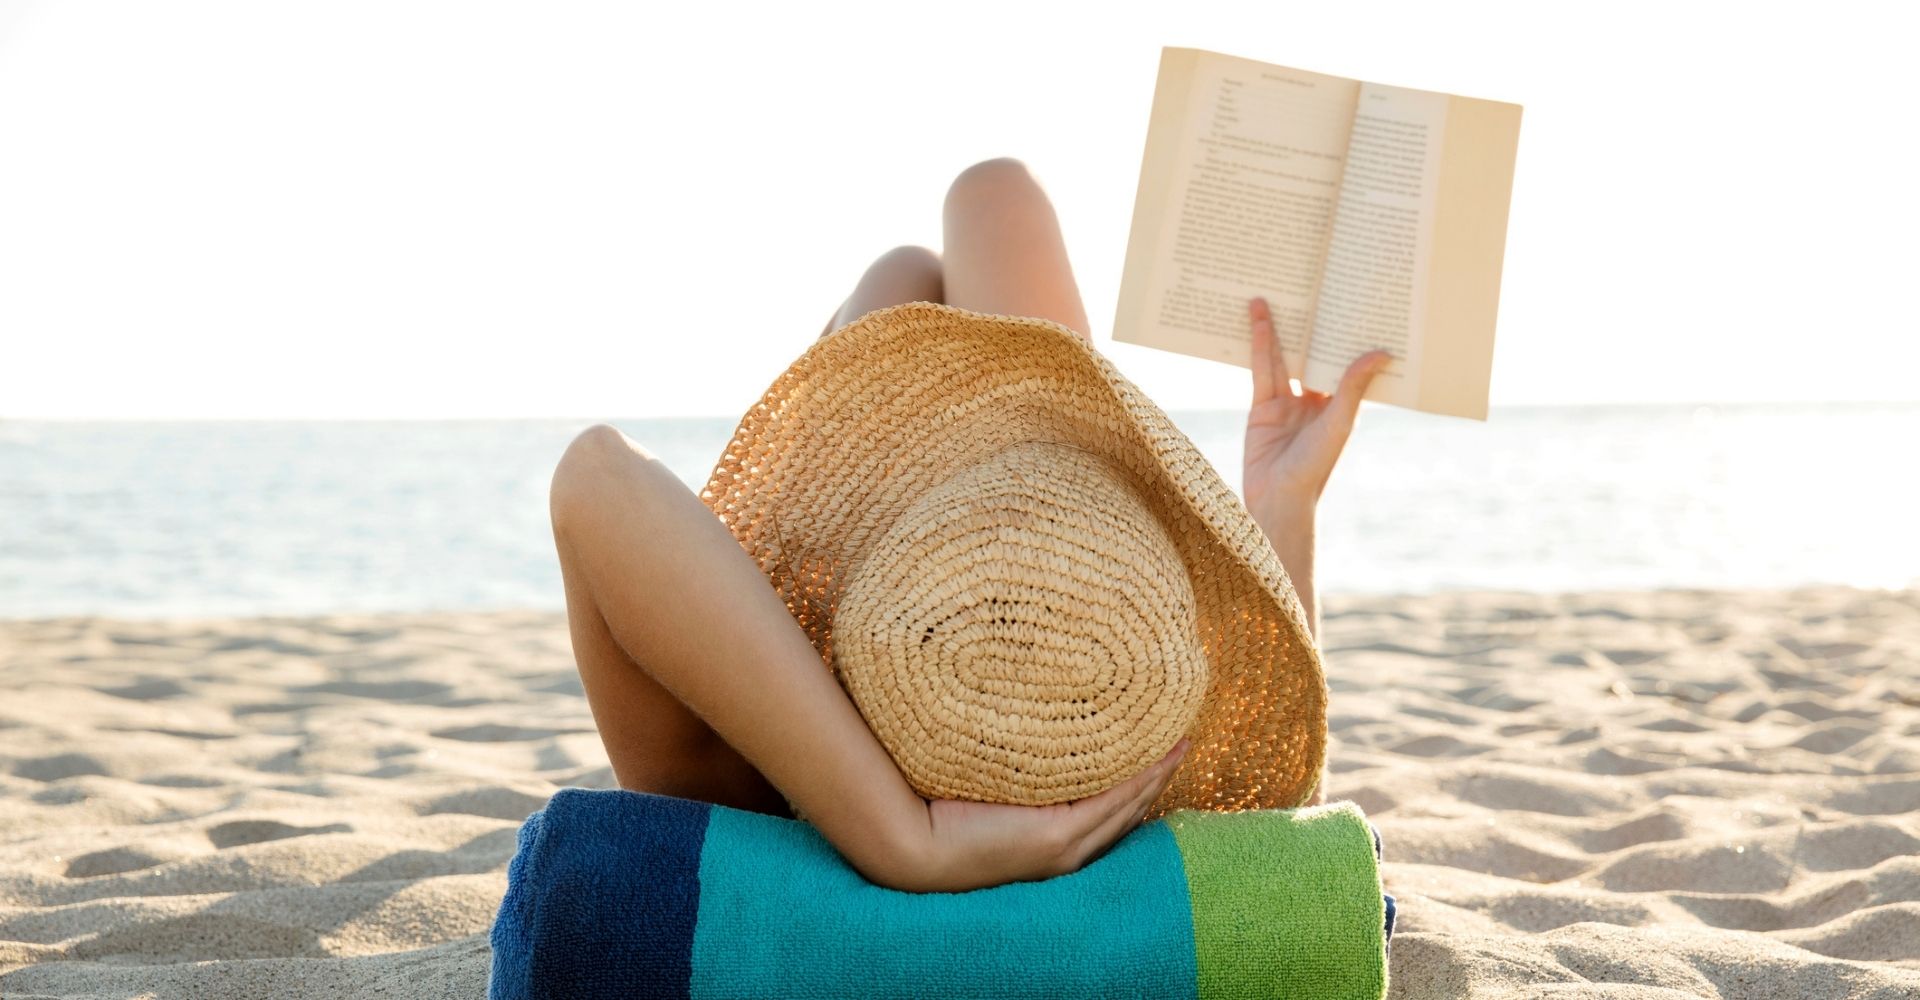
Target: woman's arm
[
  {"x": 1291, "y": 532},
  {"x": 1292, "y": 443},
  {"x": 688, "y": 605}
]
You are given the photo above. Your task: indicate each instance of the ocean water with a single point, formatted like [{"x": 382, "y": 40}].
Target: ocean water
[{"x": 168, "y": 519}]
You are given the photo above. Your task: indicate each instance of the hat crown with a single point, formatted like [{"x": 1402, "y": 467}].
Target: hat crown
[{"x": 1025, "y": 631}]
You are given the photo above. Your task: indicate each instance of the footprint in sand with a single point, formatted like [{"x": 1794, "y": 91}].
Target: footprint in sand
[
  {"x": 241, "y": 832},
  {"x": 58, "y": 767},
  {"x": 113, "y": 861}
]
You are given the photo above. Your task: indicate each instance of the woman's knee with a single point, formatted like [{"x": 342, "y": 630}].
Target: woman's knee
[
  {"x": 995, "y": 183},
  {"x": 1004, "y": 249},
  {"x": 908, "y": 270},
  {"x": 902, "y": 274}
]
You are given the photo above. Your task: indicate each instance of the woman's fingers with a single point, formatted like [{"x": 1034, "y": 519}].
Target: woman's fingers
[
  {"x": 1269, "y": 361},
  {"x": 1086, "y": 815},
  {"x": 1345, "y": 404},
  {"x": 1139, "y": 792}
]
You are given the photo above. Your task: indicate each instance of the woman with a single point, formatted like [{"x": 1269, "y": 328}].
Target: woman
[{"x": 703, "y": 686}]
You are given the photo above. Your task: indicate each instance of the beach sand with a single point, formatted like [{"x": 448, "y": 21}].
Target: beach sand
[{"x": 1641, "y": 794}]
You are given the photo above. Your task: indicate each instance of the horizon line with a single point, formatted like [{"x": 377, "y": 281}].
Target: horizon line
[{"x": 483, "y": 418}]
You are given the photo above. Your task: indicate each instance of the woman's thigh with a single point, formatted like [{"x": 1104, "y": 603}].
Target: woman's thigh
[{"x": 1003, "y": 251}]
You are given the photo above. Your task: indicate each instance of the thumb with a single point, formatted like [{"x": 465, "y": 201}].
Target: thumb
[{"x": 1345, "y": 404}]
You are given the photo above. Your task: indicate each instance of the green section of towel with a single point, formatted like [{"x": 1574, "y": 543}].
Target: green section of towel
[{"x": 1317, "y": 867}]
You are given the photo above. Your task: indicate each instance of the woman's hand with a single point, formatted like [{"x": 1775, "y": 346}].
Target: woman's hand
[
  {"x": 1293, "y": 440},
  {"x": 978, "y": 844},
  {"x": 1292, "y": 443}
]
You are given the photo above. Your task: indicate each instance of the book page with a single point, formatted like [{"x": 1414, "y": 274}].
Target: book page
[
  {"x": 1373, "y": 292},
  {"x": 1469, "y": 246},
  {"x": 1237, "y": 191}
]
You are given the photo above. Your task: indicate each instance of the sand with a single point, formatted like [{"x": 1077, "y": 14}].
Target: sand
[{"x": 1646, "y": 794}]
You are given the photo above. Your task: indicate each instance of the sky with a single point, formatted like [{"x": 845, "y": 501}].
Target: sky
[{"x": 438, "y": 210}]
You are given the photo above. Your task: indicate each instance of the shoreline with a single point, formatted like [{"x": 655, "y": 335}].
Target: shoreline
[{"x": 1813, "y": 589}]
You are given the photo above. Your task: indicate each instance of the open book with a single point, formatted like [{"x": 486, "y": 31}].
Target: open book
[{"x": 1368, "y": 216}]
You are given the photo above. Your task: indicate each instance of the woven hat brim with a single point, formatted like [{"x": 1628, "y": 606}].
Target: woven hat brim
[{"x": 879, "y": 411}]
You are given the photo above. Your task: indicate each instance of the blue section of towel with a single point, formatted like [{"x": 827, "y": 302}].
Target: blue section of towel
[{"x": 601, "y": 899}]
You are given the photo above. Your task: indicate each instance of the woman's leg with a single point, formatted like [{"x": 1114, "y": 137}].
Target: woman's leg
[
  {"x": 1003, "y": 252},
  {"x": 902, "y": 274},
  {"x": 654, "y": 742}
]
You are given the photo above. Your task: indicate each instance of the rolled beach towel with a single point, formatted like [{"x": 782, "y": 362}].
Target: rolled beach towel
[{"x": 616, "y": 893}]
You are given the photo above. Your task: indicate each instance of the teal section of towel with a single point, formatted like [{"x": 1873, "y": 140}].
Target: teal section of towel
[
  {"x": 783, "y": 915},
  {"x": 1286, "y": 903}
]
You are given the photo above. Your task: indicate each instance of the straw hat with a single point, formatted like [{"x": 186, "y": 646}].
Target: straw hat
[{"x": 1026, "y": 578}]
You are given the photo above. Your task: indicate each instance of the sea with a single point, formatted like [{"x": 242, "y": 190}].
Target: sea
[{"x": 206, "y": 519}]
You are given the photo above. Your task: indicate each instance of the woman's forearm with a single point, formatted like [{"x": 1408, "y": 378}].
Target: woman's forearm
[
  {"x": 685, "y": 601},
  {"x": 1289, "y": 526},
  {"x": 1290, "y": 529}
]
